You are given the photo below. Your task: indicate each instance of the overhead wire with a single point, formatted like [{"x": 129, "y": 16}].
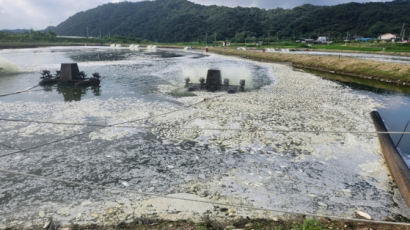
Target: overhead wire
[
  {"x": 205, "y": 129},
  {"x": 172, "y": 111},
  {"x": 7, "y": 146},
  {"x": 102, "y": 127},
  {"x": 18, "y": 92},
  {"x": 247, "y": 207},
  {"x": 184, "y": 128}
]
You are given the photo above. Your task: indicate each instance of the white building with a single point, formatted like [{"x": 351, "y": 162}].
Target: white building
[{"x": 322, "y": 39}]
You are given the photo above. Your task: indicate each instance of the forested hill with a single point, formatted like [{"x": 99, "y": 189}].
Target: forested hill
[{"x": 181, "y": 20}]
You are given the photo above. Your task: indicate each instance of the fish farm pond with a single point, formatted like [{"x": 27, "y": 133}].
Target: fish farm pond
[{"x": 141, "y": 146}]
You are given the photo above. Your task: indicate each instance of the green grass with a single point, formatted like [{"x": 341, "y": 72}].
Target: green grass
[
  {"x": 309, "y": 225},
  {"x": 368, "y": 47},
  {"x": 256, "y": 225},
  {"x": 43, "y": 39},
  {"x": 352, "y": 46},
  {"x": 245, "y": 224}
]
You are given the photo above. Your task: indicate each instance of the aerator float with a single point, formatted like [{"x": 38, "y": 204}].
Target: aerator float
[
  {"x": 214, "y": 83},
  {"x": 69, "y": 75}
]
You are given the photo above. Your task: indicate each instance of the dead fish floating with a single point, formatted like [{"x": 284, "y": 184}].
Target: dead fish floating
[
  {"x": 214, "y": 83},
  {"x": 69, "y": 74}
]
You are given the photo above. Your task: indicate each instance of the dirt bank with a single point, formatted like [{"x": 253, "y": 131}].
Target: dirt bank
[{"x": 393, "y": 73}]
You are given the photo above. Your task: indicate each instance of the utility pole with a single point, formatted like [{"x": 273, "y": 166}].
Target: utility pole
[
  {"x": 403, "y": 32},
  {"x": 347, "y": 36}
]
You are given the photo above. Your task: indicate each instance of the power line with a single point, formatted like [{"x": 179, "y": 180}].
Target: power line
[
  {"x": 165, "y": 196},
  {"x": 205, "y": 129},
  {"x": 7, "y": 146},
  {"x": 69, "y": 123},
  {"x": 173, "y": 111},
  {"x": 401, "y": 137},
  {"x": 18, "y": 92},
  {"x": 45, "y": 144},
  {"x": 52, "y": 122},
  {"x": 248, "y": 207},
  {"x": 296, "y": 131},
  {"x": 112, "y": 125}
]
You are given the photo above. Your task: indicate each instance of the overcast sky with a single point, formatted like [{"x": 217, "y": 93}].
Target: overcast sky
[{"x": 38, "y": 14}]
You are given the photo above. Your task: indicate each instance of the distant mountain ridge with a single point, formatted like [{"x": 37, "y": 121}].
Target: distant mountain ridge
[
  {"x": 181, "y": 20},
  {"x": 15, "y": 31}
]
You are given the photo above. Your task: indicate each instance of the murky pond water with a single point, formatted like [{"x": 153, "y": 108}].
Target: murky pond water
[{"x": 166, "y": 146}]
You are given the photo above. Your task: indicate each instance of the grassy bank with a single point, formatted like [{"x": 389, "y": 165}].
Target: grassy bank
[
  {"x": 381, "y": 71},
  {"x": 362, "y": 83},
  {"x": 372, "y": 48},
  {"x": 267, "y": 224},
  {"x": 355, "y": 47},
  {"x": 260, "y": 224}
]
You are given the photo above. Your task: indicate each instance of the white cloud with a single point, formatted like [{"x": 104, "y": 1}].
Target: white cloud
[{"x": 38, "y": 14}]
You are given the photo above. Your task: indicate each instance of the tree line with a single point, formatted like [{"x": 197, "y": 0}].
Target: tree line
[{"x": 183, "y": 21}]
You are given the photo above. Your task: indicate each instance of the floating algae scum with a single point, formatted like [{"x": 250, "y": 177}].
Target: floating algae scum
[{"x": 186, "y": 147}]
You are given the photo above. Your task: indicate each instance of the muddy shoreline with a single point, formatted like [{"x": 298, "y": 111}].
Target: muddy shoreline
[{"x": 242, "y": 223}]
